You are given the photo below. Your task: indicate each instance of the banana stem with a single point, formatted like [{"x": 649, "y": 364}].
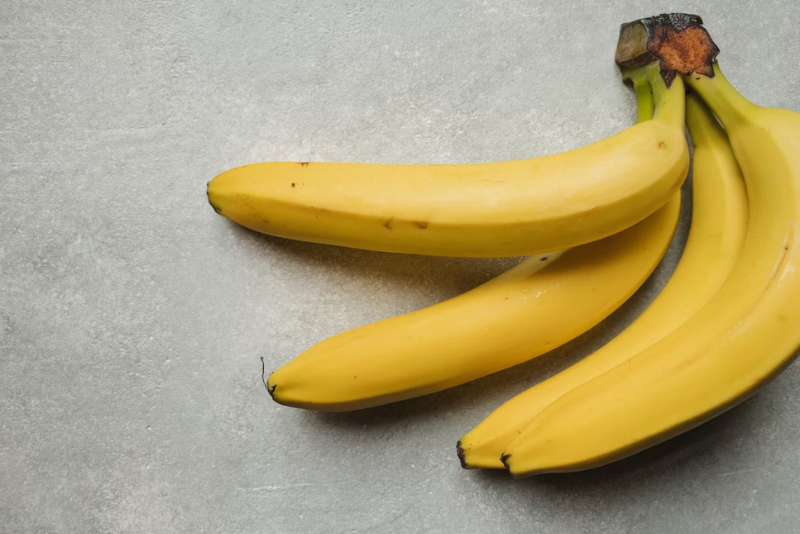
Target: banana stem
[
  {"x": 726, "y": 102},
  {"x": 669, "y": 101},
  {"x": 644, "y": 100},
  {"x": 644, "y": 93},
  {"x": 654, "y": 99}
]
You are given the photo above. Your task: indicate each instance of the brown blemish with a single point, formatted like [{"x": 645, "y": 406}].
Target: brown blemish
[
  {"x": 662, "y": 144},
  {"x": 544, "y": 259},
  {"x": 677, "y": 40},
  {"x": 422, "y": 225},
  {"x": 292, "y": 184},
  {"x": 304, "y": 163},
  {"x": 388, "y": 224}
]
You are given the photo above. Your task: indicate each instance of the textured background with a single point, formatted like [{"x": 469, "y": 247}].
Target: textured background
[{"x": 132, "y": 317}]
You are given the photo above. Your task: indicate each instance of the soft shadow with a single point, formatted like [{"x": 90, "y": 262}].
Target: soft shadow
[
  {"x": 492, "y": 390},
  {"x": 449, "y": 276},
  {"x": 645, "y": 471},
  {"x": 684, "y": 454}
]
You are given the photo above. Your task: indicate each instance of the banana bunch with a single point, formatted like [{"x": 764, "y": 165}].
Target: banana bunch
[
  {"x": 539, "y": 305},
  {"x": 597, "y": 221}
]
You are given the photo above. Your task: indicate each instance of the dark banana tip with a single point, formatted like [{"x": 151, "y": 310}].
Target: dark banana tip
[
  {"x": 460, "y": 453},
  {"x": 270, "y": 390},
  {"x": 504, "y": 459}
]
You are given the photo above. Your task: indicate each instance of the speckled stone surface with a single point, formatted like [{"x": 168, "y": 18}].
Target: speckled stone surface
[{"x": 132, "y": 317}]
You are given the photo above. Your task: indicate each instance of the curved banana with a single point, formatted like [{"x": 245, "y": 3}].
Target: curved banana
[
  {"x": 719, "y": 221},
  {"x": 535, "y": 307},
  {"x": 530, "y": 310},
  {"x": 739, "y": 341},
  {"x": 511, "y": 208}
]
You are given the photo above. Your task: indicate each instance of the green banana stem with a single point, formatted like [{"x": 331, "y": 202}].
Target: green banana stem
[
  {"x": 644, "y": 93},
  {"x": 669, "y": 101},
  {"x": 728, "y": 104},
  {"x": 654, "y": 99},
  {"x": 644, "y": 100}
]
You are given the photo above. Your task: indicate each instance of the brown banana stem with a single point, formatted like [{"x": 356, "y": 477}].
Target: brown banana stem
[{"x": 678, "y": 41}]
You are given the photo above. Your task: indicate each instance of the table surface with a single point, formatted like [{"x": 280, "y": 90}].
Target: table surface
[{"x": 133, "y": 318}]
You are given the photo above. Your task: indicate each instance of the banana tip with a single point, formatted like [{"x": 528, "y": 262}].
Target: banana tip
[
  {"x": 216, "y": 208},
  {"x": 516, "y": 476},
  {"x": 209, "y": 195},
  {"x": 504, "y": 459},
  {"x": 460, "y": 454},
  {"x": 270, "y": 389}
]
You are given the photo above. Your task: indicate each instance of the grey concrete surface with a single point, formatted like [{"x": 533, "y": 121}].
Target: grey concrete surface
[{"x": 132, "y": 317}]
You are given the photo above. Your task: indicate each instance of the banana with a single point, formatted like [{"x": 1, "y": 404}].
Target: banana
[
  {"x": 511, "y": 208},
  {"x": 719, "y": 222},
  {"x": 533, "y": 308},
  {"x": 733, "y": 346}
]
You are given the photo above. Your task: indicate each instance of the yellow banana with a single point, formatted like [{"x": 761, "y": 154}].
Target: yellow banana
[
  {"x": 733, "y": 346},
  {"x": 533, "y": 308},
  {"x": 511, "y": 208},
  {"x": 719, "y": 221}
]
